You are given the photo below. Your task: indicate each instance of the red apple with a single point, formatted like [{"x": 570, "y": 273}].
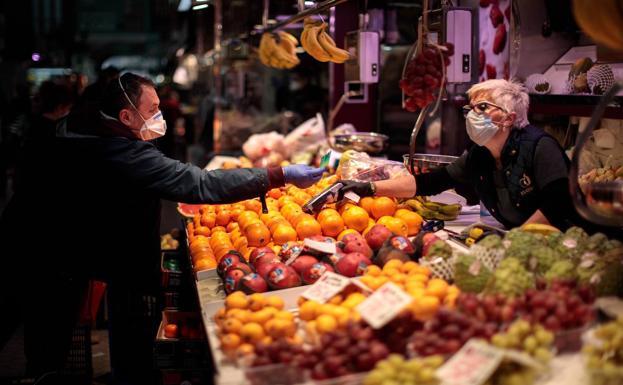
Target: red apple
[
  {"x": 302, "y": 263},
  {"x": 282, "y": 276},
  {"x": 377, "y": 235},
  {"x": 315, "y": 271},
  {"x": 259, "y": 252},
  {"x": 352, "y": 264},
  {"x": 253, "y": 283},
  {"x": 232, "y": 279},
  {"x": 231, "y": 259}
]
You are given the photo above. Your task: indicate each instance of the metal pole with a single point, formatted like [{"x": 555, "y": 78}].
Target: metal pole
[{"x": 216, "y": 72}]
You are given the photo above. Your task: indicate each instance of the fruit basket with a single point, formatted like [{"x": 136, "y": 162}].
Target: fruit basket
[{"x": 423, "y": 163}]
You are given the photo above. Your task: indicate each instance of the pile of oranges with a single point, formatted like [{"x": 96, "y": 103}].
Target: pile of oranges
[
  {"x": 242, "y": 226},
  {"x": 246, "y": 321},
  {"x": 429, "y": 294}
]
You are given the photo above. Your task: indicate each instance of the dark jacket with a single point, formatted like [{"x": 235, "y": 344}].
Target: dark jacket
[{"x": 90, "y": 205}]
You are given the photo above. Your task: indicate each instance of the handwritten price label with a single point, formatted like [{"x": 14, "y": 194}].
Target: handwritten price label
[
  {"x": 326, "y": 287},
  {"x": 382, "y": 306},
  {"x": 472, "y": 365}
]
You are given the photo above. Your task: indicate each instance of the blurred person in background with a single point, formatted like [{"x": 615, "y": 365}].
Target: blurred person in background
[
  {"x": 94, "y": 92},
  {"x": 171, "y": 111},
  {"x": 109, "y": 202},
  {"x": 51, "y": 104}
]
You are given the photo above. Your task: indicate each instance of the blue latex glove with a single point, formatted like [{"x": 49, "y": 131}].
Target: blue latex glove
[{"x": 301, "y": 175}]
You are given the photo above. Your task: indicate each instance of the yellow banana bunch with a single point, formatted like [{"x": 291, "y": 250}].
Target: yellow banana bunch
[
  {"x": 434, "y": 210},
  {"x": 319, "y": 44},
  {"x": 278, "y": 50},
  {"x": 540, "y": 228}
]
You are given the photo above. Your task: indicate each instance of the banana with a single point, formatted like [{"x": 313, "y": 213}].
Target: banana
[
  {"x": 311, "y": 44},
  {"x": 338, "y": 55},
  {"x": 454, "y": 209},
  {"x": 415, "y": 204},
  {"x": 280, "y": 54},
  {"x": 289, "y": 37},
  {"x": 432, "y": 205},
  {"x": 540, "y": 228}
]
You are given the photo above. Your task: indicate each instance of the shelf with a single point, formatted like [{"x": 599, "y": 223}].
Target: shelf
[{"x": 573, "y": 105}]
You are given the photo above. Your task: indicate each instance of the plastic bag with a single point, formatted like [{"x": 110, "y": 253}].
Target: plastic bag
[
  {"x": 260, "y": 145},
  {"x": 309, "y": 133},
  {"x": 360, "y": 167}
]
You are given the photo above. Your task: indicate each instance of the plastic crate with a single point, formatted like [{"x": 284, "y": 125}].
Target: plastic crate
[
  {"x": 181, "y": 353},
  {"x": 79, "y": 365},
  {"x": 170, "y": 279}
]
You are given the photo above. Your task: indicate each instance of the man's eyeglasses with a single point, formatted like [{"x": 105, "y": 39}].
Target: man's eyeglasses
[{"x": 480, "y": 107}]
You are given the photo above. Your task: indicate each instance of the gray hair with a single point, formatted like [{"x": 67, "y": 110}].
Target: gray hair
[{"x": 510, "y": 94}]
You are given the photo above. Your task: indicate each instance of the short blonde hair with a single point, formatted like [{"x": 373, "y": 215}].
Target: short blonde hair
[{"x": 510, "y": 94}]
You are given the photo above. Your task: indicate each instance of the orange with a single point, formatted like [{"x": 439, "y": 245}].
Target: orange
[
  {"x": 326, "y": 213},
  {"x": 253, "y": 205},
  {"x": 202, "y": 230},
  {"x": 345, "y": 208},
  {"x": 273, "y": 224},
  {"x": 230, "y": 341},
  {"x": 250, "y": 222},
  {"x": 284, "y": 199},
  {"x": 199, "y": 241},
  {"x": 208, "y": 220},
  {"x": 437, "y": 287},
  {"x": 205, "y": 264},
  {"x": 307, "y": 228},
  {"x": 257, "y": 234},
  {"x": 425, "y": 307},
  {"x": 284, "y": 233},
  {"x": 331, "y": 225},
  {"x": 356, "y": 218},
  {"x": 294, "y": 220},
  {"x": 241, "y": 243},
  {"x": 246, "y": 215},
  {"x": 265, "y": 217},
  {"x": 395, "y": 225},
  {"x": 366, "y": 204},
  {"x": 235, "y": 212},
  {"x": 232, "y": 226},
  {"x": 218, "y": 229},
  {"x": 289, "y": 209},
  {"x": 274, "y": 193},
  {"x": 223, "y": 218},
  {"x": 412, "y": 219},
  {"x": 383, "y": 206},
  {"x": 203, "y": 254},
  {"x": 347, "y": 231},
  {"x": 197, "y": 220},
  {"x": 276, "y": 249}
]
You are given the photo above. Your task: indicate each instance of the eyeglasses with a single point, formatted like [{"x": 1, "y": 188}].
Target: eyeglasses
[{"x": 480, "y": 107}]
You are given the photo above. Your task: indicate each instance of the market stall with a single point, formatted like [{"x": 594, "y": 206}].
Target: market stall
[{"x": 299, "y": 286}]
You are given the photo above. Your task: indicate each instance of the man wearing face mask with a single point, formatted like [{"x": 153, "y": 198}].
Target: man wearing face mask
[
  {"x": 97, "y": 193},
  {"x": 518, "y": 171}
]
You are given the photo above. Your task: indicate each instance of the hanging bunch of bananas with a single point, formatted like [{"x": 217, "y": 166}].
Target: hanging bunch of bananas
[
  {"x": 319, "y": 44},
  {"x": 278, "y": 50},
  {"x": 434, "y": 210}
]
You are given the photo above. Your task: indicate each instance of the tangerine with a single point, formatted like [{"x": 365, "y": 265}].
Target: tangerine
[
  {"x": 331, "y": 225},
  {"x": 383, "y": 206},
  {"x": 366, "y": 204},
  {"x": 208, "y": 220},
  {"x": 284, "y": 233},
  {"x": 356, "y": 218},
  {"x": 308, "y": 227},
  {"x": 395, "y": 225},
  {"x": 257, "y": 234},
  {"x": 223, "y": 218},
  {"x": 412, "y": 219}
]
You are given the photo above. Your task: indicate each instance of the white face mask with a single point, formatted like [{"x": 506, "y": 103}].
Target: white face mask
[
  {"x": 480, "y": 128},
  {"x": 152, "y": 128}
]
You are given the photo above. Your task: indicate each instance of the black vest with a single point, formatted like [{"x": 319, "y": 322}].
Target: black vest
[{"x": 517, "y": 168}]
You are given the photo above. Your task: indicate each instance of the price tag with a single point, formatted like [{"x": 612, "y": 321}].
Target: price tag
[
  {"x": 383, "y": 305},
  {"x": 472, "y": 365},
  {"x": 326, "y": 287},
  {"x": 323, "y": 247},
  {"x": 352, "y": 196}
]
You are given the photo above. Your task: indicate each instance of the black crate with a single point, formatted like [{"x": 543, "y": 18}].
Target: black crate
[
  {"x": 79, "y": 366},
  {"x": 186, "y": 377},
  {"x": 171, "y": 279},
  {"x": 182, "y": 352}
]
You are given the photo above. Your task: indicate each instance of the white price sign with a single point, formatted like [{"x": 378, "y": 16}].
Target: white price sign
[
  {"x": 326, "y": 287},
  {"x": 323, "y": 247},
  {"x": 472, "y": 365},
  {"x": 383, "y": 305}
]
